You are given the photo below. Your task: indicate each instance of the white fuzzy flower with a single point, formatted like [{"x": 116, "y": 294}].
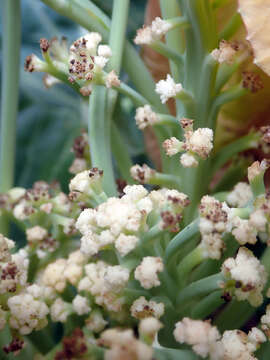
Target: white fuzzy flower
[
  {"x": 95, "y": 322},
  {"x": 147, "y": 272},
  {"x": 225, "y": 53},
  {"x": 243, "y": 231},
  {"x": 201, "y": 142},
  {"x": 201, "y": 335},
  {"x": 53, "y": 275},
  {"x": 60, "y": 310},
  {"x": 100, "y": 62},
  {"x": 240, "y": 195},
  {"x": 258, "y": 220},
  {"x": 188, "y": 160},
  {"x": 74, "y": 267},
  {"x": 168, "y": 88},
  {"x": 36, "y": 234},
  {"x": 145, "y": 116},
  {"x": 105, "y": 51},
  {"x": 5, "y": 246},
  {"x": 124, "y": 244},
  {"x": 172, "y": 146},
  {"x": 141, "y": 308},
  {"x": 28, "y": 312},
  {"x": 112, "y": 80},
  {"x": 81, "y": 305},
  {"x": 236, "y": 346},
  {"x": 142, "y": 174},
  {"x": 149, "y": 327},
  {"x": 249, "y": 274},
  {"x": 152, "y": 33}
]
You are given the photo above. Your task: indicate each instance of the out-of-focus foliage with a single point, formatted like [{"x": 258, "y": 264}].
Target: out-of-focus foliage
[{"x": 49, "y": 120}]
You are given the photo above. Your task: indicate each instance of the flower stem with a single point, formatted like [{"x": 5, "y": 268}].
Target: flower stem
[
  {"x": 194, "y": 258},
  {"x": 199, "y": 288},
  {"x": 179, "y": 240},
  {"x": 207, "y": 305},
  {"x": 11, "y": 36},
  {"x": 99, "y": 137}
]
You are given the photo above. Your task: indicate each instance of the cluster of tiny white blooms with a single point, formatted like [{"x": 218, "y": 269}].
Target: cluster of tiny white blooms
[
  {"x": 213, "y": 223},
  {"x": 172, "y": 146},
  {"x": 105, "y": 283},
  {"x": 112, "y": 80},
  {"x": 28, "y": 311},
  {"x": 123, "y": 345},
  {"x": 87, "y": 59},
  {"x": 141, "y": 308},
  {"x": 124, "y": 244},
  {"x": 258, "y": 220},
  {"x": 60, "y": 310},
  {"x": 147, "y": 272},
  {"x": 249, "y": 275},
  {"x": 14, "y": 272},
  {"x": 199, "y": 334},
  {"x": 149, "y": 34},
  {"x": 168, "y": 89},
  {"x": 95, "y": 322},
  {"x": 143, "y": 174},
  {"x": 145, "y": 117},
  {"x": 197, "y": 143},
  {"x": 149, "y": 327},
  {"x": 112, "y": 219},
  {"x": 86, "y": 183},
  {"x": 81, "y": 305},
  {"x": 36, "y": 234},
  {"x": 53, "y": 275},
  {"x": 73, "y": 270},
  {"x": 240, "y": 195},
  {"x": 49, "y": 81},
  {"x": 243, "y": 231},
  {"x": 169, "y": 204},
  {"x": 5, "y": 246},
  {"x": 226, "y": 52},
  {"x": 236, "y": 345}
]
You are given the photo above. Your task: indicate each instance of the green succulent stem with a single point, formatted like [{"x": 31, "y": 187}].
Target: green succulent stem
[
  {"x": 99, "y": 137},
  {"x": 11, "y": 36},
  {"x": 199, "y": 288},
  {"x": 194, "y": 258},
  {"x": 207, "y": 305}
]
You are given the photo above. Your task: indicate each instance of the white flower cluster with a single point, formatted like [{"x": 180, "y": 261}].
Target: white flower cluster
[
  {"x": 143, "y": 174},
  {"x": 57, "y": 273},
  {"x": 240, "y": 195},
  {"x": 13, "y": 273},
  {"x": 213, "y": 223},
  {"x": 141, "y": 308},
  {"x": 149, "y": 34},
  {"x": 123, "y": 345},
  {"x": 87, "y": 59},
  {"x": 168, "y": 89},
  {"x": 198, "y": 143},
  {"x": 60, "y": 310},
  {"x": 147, "y": 272},
  {"x": 118, "y": 221},
  {"x": 206, "y": 340},
  {"x": 226, "y": 52},
  {"x": 105, "y": 283},
  {"x": 28, "y": 311},
  {"x": 5, "y": 246},
  {"x": 248, "y": 274},
  {"x": 145, "y": 117},
  {"x": 86, "y": 184}
]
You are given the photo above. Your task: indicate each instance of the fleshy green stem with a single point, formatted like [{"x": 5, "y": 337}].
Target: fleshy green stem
[
  {"x": 207, "y": 305},
  {"x": 99, "y": 137},
  {"x": 11, "y": 35},
  {"x": 199, "y": 288},
  {"x": 194, "y": 258},
  {"x": 180, "y": 239}
]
